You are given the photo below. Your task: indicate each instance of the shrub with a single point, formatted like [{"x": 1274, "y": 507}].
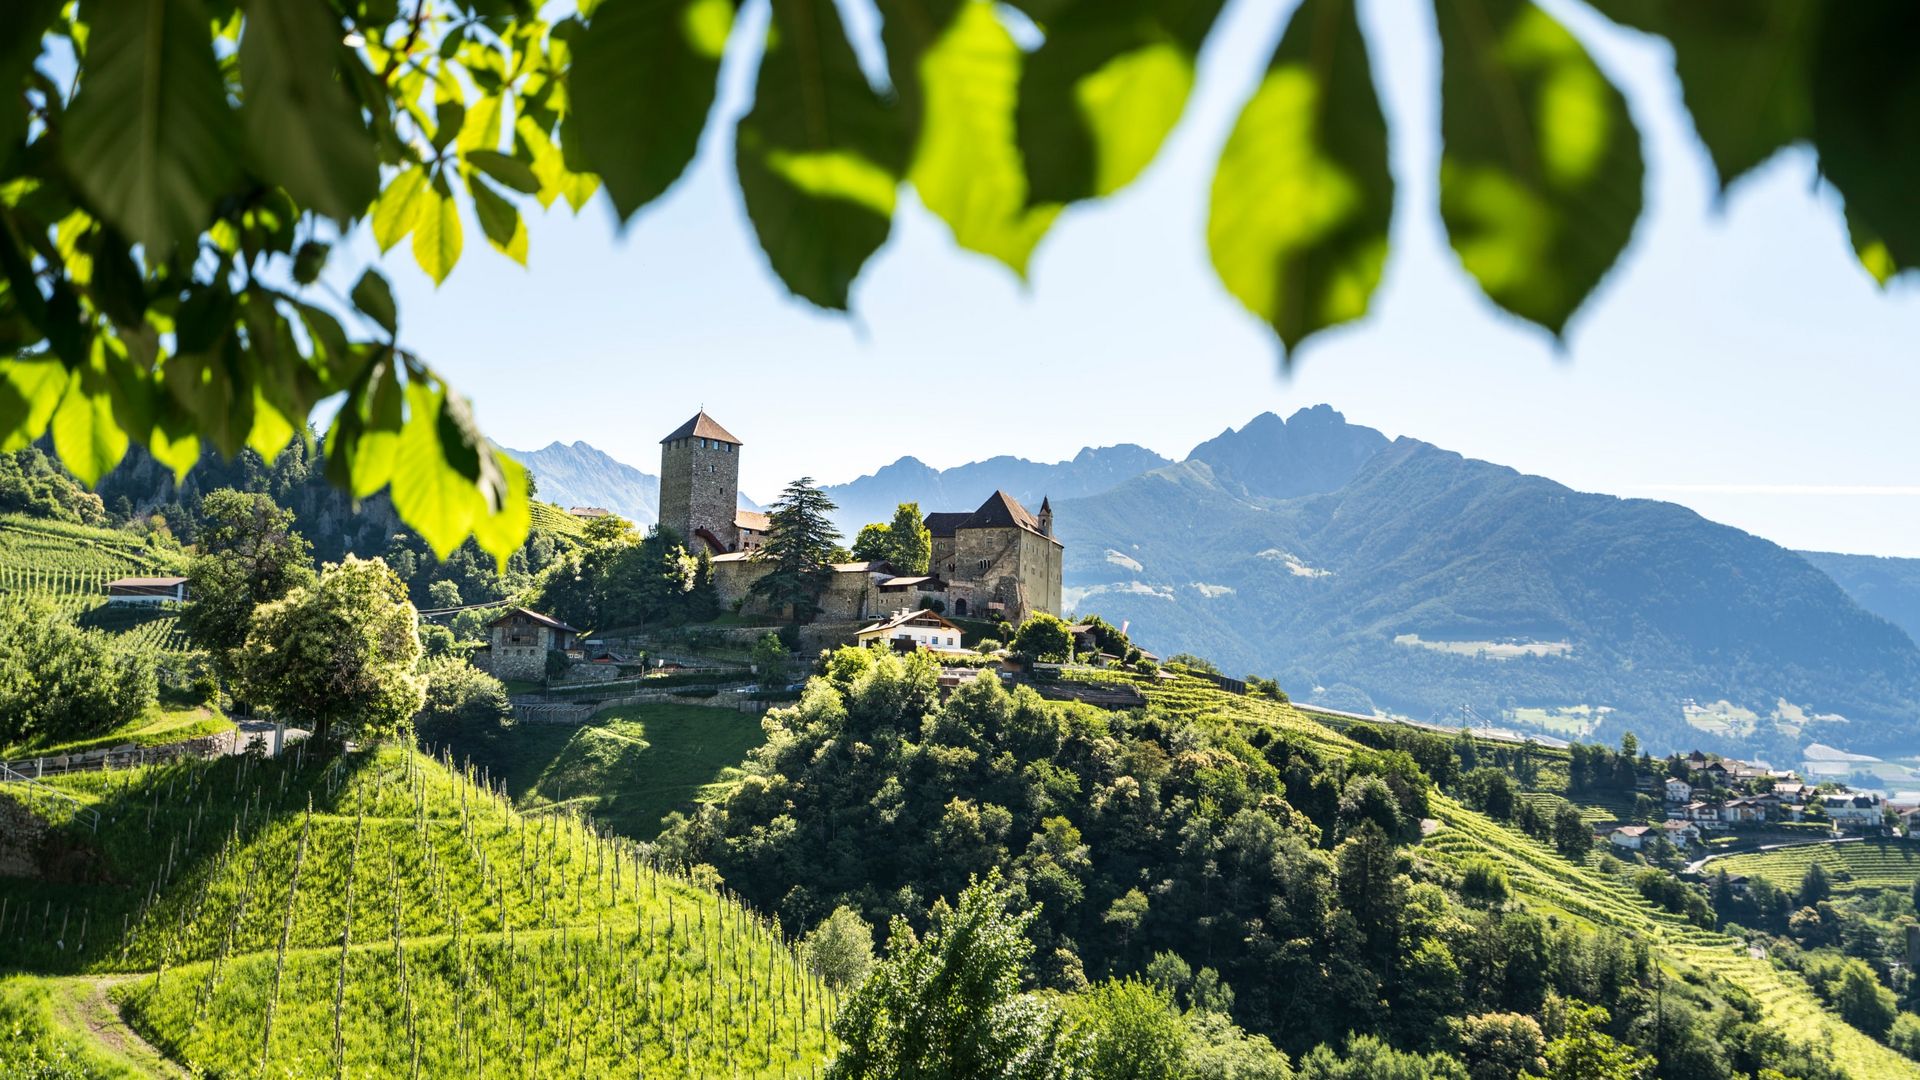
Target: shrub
[
  {"x": 464, "y": 704},
  {"x": 58, "y": 681}
]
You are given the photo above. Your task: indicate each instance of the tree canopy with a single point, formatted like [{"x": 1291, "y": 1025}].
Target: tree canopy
[
  {"x": 163, "y": 268},
  {"x": 800, "y": 548},
  {"x": 339, "y": 655},
  {"x": 249, "y": 555}
]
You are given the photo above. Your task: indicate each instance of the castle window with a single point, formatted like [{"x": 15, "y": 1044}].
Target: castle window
[{"x": 982, "y": 565}]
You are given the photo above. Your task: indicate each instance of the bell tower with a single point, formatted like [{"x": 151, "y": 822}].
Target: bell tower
[{"x": 700, "y": 484}]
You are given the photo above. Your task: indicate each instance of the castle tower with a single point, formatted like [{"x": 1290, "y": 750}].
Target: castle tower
[
  {"x": 700, "y": 484},
  {"x": 1046, "y": 517}
]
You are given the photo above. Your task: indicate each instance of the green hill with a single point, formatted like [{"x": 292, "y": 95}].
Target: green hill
[
  {"x": 72, "y": 563},
  {"x": 627, "y": 768},
  {"x": 382, "y": 912}
]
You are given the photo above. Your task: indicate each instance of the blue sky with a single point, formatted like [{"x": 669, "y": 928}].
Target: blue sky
[{"x": 1737, "y": 360}]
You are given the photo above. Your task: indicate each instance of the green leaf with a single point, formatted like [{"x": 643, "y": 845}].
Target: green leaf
[
  {"x": 1745, "y": 70},
  {"x": 364, "y": 440},
  {"x": 499, "y": 220},
  {"x": 429, "y": 494},
  {"x": 1540, "y": 174},
  {"x": 150, "y": 138},
  {"x": 1104, "y": 89},
  {"x": 309, "y": 261},
  {"x": 85, "y": 434},
  {"x": 399, "y": 207},
  {"x": 509, "y": 171},
  {"x": 436, "y": 236},
  {"x": 550, "y": 166},
  {"x": 967, "y": 169},
  {"x": 481, "y": 128},
  {"x": 271, "y": 431},
  {"x": 173, "y": 443},
  {"x": 1866, "y": 95},
  {"x": 22, "y": 24},
  {"x": 665, "y": 53},
  {"x": 501, "y": 532},
  {"x": 909, "y": 29},
  {"x": 819, "y": 156},
  {"x": 304, "y": 129},
  {"x": 30, "y": 389},
  {"x": 1303, "y": 198},
  {"x": 374, "y": 297}
]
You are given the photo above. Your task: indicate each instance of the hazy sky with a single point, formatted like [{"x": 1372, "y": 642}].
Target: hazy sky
[{"x": 1737, "y": 360}]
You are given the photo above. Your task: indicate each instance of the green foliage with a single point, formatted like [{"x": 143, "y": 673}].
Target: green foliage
[
  {"x": 59, "y": 683},
  {"x": 1854, "y": 991},
  {"x": 800, "y": 547},
  {"x": 338, "y": 656},
  {"x": 463, "y": 705},
  {"x": 31, "y": 484},
  {"x": 770, "y": 658},
  {"x": 1500, "y": 1046},
  {"x": 950, "y": 1006},
  {"x": 903, "y": 543},
  {"x": 1129, "y": 1029},
  {"x": 617, "y": 579},
  {"x": 839, "y": 951},
  {"x": 249, "y": 555},
  {"x": 1368, "y": 1058},
  {"x": 1584, "y": 1052},
  {"x": 1313, "y": 130},
  {"x": 1043, "y": 637},
  {"x": 262, "y": 130}
]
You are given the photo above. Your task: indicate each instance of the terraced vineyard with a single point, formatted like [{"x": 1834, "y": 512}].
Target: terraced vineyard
[
  {"x": 70, "y": 563},
  {"x": 386, "y": 914},
  {"x": 555, "y": 520},
  {"x": 1853, "y": 867},
  {"x": 1554, "y": 886}
]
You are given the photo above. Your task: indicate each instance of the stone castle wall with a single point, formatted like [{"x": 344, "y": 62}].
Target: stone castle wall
[{"x": 700, "y": 488}]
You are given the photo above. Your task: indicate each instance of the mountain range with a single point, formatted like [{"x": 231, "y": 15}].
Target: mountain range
[
  {"x": 1374, "y": 573},
  {"x": 576, "y": 474}
]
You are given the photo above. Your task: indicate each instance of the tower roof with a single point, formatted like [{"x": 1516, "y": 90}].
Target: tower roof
[
  {"x": 1002, "y": 510},
  {"x": 702, "y": 426}
]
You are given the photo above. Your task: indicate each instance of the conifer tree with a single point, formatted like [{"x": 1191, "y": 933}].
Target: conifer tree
[{"x": 800, "y": 547}]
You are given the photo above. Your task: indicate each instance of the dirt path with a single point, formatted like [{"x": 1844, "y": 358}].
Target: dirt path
[{"x": 83, "y": 1004}]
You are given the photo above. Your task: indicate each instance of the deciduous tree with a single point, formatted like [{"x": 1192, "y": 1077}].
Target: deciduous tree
[
  {"x": 338, "y": 656},
  {"x": 249, "y": 555}
]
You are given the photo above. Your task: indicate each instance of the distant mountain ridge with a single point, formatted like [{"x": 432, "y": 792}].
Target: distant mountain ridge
[
  {"x": 874, "y": 497},
  {"x": 1400, "y": 585},
  {"x": 579, "y": 474},
  {"x": 1374, "y": 572},
  {"x": 1888, "y": 587}
]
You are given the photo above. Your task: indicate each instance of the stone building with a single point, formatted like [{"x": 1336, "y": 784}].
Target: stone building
[
  {"x": 519, "y": 640},
  {"x": 999, "y": 559},
  {"x": 700, "y": 484}
]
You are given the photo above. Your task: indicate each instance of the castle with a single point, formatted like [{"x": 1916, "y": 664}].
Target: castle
[{"x": 997, "y": 560}]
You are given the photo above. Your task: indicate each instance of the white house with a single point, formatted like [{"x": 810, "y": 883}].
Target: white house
[
  {"x": 1854, "y": 811},
  {"x": 909, "y": 630},
  {"x": 1680, "y": 833},
  {"x": 147, "y": 590},
  {"x": 1629, "y": 836},
  {"x": 1678, "y": 790}
]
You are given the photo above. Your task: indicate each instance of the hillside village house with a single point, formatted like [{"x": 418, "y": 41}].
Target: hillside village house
[
  {"x": 1629, "y": 837},
  {"x": 518, "y": 643},
  {"x": 147, "y": 590},
  {"x": 1855, "y": 811},
  {"x": 906, "y": 631},
  {"x": 1678, "y": 790},
  {"x": 999, "y": 559}
]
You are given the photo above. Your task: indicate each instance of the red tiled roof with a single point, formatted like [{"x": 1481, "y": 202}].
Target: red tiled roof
[{"x": 701, "y": 426}]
